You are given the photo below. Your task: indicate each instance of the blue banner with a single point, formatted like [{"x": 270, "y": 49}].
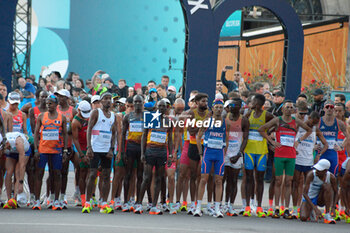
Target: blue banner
[{"x": 232, "y": 26}]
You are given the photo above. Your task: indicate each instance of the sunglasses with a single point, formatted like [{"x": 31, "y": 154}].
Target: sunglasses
[
  {"x": 329, "y": 107},
  {"x": 88, "y": 111},
  {"x": 303, "y": 113},
  {"x": 236, "y": 74}
]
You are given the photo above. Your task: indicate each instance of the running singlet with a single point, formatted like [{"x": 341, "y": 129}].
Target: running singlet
[
  {"x": 235, "y": 137},
  {"x": 69, "y": 117},
  {"x": 341, "y": 154},
  {"x": 305, "y": 148},
  {"x": 82, "y": 132},
  {"x": 197, "y": 117},
  {"x": 256, "y": 143},
  {"x": 51, "y": 140},
  {"x": 18, "y": 122},
  {"x": 135, "y": 129},
  {"x": 36, "y": 113},
  {"x": 285, "y": 135},
  {"x": 101, "y": 134},
  {"x": 316, "y": 184},
  {"x": 215, "y": 137},
  {"x": 330, "y": 133},
  {"x": 11, "y": 138}
]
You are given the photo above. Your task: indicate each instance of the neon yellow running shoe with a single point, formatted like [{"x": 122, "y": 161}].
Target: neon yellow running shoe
[
  {"x": 260, "y": 213},
  {"x": 270, "y": 212},
  {"x": 247, "y": 212},
  {"x": 106, "y": 209},
  {"x": 87, "y": 208}
]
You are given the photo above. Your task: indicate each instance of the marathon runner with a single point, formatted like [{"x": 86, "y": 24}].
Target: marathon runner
[
  {"x": 237, "y": 133},
  {"x": 17, "y": 150},
  {"x": 255, "y": 156},
  {"x": 330, "y": 128},
  {"x": 19, "y": 118},
  {"x": 305, "y": 156},
  {"x": 50, "y": 136},
  {"x": 154, "y": 144},
  {"x": 184, "y": 172},
  {"x": 79, "y": 128},
  {"x": 69, "y": 112},
  {"x": 212, "y": 155},
  {"x": 320, "y": 190},
  {"x": 200, "y": 113},
  {"x": 132, "y": 132},
  {"x": 101, "y": 137},
  {"x": 286, "y": 128}
]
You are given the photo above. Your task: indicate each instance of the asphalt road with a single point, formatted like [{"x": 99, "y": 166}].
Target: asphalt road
[{"x": 72, "y": 220}]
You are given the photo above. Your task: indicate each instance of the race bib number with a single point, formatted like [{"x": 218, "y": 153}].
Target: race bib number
[
  {"x": 287, "y": 140},
  {"x": 331, "y": 143},
  {"x": 159, "y": 137},
  {"x": 233, "y": 148},
  {"x": 16, "y": 128},
  {"x": 136, "y": 126},
  {"x": 215, "y": 143},
  {"x": 50, "y": 135},
  {"x": 106, "y": 135},
  {"x": 255, "y": 135}
]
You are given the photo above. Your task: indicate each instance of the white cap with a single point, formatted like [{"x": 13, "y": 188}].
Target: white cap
[
  {"x": 172, "y": 88},
  {"x": 219, "y": 96},
  {"x": 166, "y": 100},
  {"x": 63, "y": 92},
  {"x": 104, "y": 76},
  {"x": 95, "y": 98},
  {"x": 122, "y": 100},
  {"x": 191, "y": 98},
  {"x": 323, "y": 164},
  {"x": 85, "y": 108},
  {"x": 227, "y": 103},
  {"x": 14, "y": 98}
]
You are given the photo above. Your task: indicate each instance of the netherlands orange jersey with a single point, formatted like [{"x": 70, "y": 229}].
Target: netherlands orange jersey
[{"x": 51, "y": 140}]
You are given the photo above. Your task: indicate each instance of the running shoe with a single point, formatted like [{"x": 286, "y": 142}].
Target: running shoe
[
  {"x": 198, "y": 212},
  {"x": 165, "y": 208},
  {"x": 76, "y": 196},
  {"x": 172, "y": 209},
  {"x": 184, "y": 206},
  {"x": 342, "y": 215},
  {"x": 282, "y": 210},
  {"x": 270, "y": 212},
  {"x": 224, "y": 208},
  {"x": 31, "y": 200},
  {"x": 328, "y": 219},
  {"x": 295, "y": 214},
  {"x": 337, "y": 215},
  {"x": 106, "y": 209},
  {"x": 231, "y": 212},
  {"x": 276, "y": 214},
  {"x": 132, "y": 201},
  {"x": 64, "y": 204},
  {"x": 94, "y": 202},
  {"x": 149, "y": 207},
  {"x": 36, "y": 205},
  {"x": 13, "y": 203},
  {"x": 247, "y": 212},
  {"x": 155, "y": 211},
  {"x": 287, "y": 214},
  {"x": 210, "y": 210},
  {"x": 218, "y": 214},
  {"x": 192, "y": 209},
  {"x": 126, "y": 207},
  {"x": 118, "y": 204},
  {"x": 22, "y": 199},
  {"x": 87, "y": 208},
  {"x": 347, "y": 219},
  {"x": 138, "y": 209},
  {"x": 7, "y": 206},
  {"x": 57, "y": 205},
  {"x": 260, "y": 212},
  {"x": 177, "y": 206},
  {"x": 131, "y": 206},
  {"x": 241, "y": 211},
  {"x": 49, "y": 203}
]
